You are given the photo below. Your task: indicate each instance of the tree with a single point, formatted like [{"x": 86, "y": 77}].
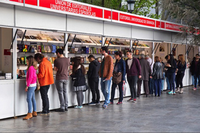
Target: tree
[
  {"x": 187, "y": 12},
  {"x": 142, "y": 7}
]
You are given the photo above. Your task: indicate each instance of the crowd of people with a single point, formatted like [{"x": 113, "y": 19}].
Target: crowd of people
[{"x": 133, "y": 71}]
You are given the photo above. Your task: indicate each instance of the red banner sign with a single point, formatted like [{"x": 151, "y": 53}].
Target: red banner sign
[
  {"x": 72, "y": 7},
  {"x": 31, "y": 2},
  {"x": 136, "y": 20},
  {"x": 107, "y": 14},
  {"x": 115, "y": 15},
  {"x": 19, "y": 1},
  {"x": 171, "y": 26}
]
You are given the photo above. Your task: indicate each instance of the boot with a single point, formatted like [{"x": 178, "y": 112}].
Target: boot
[
  {"x": 34, "y": 114},
  {"x": 177, "y": 90},
  {"x": 181, "y": 91},
  {"x": 29, "y": 116}
]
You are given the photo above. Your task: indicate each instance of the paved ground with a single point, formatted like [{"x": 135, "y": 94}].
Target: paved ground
[{"x": 179, "y": 113}]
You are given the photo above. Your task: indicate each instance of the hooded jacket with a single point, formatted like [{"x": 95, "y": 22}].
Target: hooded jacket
[{"x": 93, "y": 70}]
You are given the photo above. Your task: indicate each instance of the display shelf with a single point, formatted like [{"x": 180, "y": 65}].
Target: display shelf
[{"x": 34, "y": 40}]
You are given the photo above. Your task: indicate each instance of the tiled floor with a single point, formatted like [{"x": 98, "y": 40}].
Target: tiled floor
[{"x": 179, "y": 113}]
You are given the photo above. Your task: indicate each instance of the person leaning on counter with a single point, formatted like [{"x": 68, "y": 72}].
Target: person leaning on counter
[{"x": 45, "y": 77}]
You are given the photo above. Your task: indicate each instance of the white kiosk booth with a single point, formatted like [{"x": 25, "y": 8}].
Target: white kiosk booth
[{"x": 63, "y": 22}]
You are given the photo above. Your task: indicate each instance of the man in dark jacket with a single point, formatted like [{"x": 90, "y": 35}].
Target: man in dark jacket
[
  {"x": 146, "y": 74},
  {"x": 133, "y": 70},
  {"x": 93, "y": 79},
  {"x": 195, "y": 71}
]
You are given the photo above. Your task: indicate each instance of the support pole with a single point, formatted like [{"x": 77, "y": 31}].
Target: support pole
[
  {"x": 153, "y": 54},
  {"x": 66, "y": 36}
]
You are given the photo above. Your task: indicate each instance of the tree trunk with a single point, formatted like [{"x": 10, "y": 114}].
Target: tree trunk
[{"x": 103, "y": 4}]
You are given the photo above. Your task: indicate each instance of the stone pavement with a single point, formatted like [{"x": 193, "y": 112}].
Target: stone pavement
[{"x": 168, "y": 113}]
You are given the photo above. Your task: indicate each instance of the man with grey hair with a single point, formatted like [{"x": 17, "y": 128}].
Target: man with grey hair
[
  {"x": 151, "y": 81},
  {"x": 146, "y": 74}
]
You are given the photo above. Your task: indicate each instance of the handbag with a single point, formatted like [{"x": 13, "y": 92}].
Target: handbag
[{"x": 117, "y": 77}]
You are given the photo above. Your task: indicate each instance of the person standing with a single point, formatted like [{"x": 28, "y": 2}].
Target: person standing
[
  {"x": 157, "y": 76},
  {"x": 93, "y": 80},
  {"x": 61, "y": 65},
  {"x": 146, "y": 74},
  {"x": 181, "y": 66},
  {"x": 166, "y": 74},
  {"x": 105, "y": 72},
  {"x": 79, "y": 82},
  {"x": 31, "y": 83},
  {"x": 133, "y": 71},
  {"x": 119, "y": 72},
  {"x": 163, "y": 71},
  {"x": 171, "y": 66},
  {"x": 194, "y": 70},
  {"x": 45, "y": 77},
  {"x": 151, "y": 80}
]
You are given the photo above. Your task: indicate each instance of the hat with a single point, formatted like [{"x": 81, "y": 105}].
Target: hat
[{"x": 91, "y": 56}]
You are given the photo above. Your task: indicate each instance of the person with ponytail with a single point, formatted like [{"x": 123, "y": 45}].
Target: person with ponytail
[{"x": 31, "y": 83}]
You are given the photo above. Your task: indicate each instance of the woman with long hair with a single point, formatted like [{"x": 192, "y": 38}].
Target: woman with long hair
[
  {"x": 171, "y": 69},
  {"x": 119, "y": 72},
  {"x": 31, "y": 83},
  {"x": 181, "y": 66},
  {"x": 78, "y": 78},
  {"x": 157, "y": 76}
]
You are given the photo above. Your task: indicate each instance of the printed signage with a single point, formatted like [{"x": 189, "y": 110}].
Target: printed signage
[
  {"x": 136, "y": 20},
  {"x": 72, "y": 7}
]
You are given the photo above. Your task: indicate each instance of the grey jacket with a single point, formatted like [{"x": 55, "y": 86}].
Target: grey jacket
[
  {"x": 145, "y": 69},
  {"x": 157, "y": 70}
]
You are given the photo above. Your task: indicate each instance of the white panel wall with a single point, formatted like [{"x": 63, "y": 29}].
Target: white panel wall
[
  {"x": 75, "y": 24},
  {"x": 162, "y": 35},
  {"x": 6, "y": 98},
  {"x": 6, "y": 15},
  {"x": 176, "y": 38},
  {"x": 42, "y": 20},
  {"x": 111, "y": 29},
  {"x": 142, "y": 33}
]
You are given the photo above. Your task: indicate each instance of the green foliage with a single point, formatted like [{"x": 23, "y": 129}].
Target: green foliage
[
  {"x": 187, "y": 12},
  {"x": 142, "y": 7}
]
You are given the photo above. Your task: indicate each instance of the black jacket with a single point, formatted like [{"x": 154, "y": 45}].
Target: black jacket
[
  {"x": 93, "y": 70},
  {"x": 181, "y": 67},
  {"x": 121, "y": 67},
  {"x": 157, "y": 70},
  {"x": 173, "y": 67},
  {"x": 79, "y": 78},
  {"x": 192, "y": 67}
]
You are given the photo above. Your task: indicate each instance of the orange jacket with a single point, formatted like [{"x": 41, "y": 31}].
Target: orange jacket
[{"x": 45, "y": 75}]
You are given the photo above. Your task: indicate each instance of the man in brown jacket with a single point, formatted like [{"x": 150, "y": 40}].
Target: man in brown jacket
[{"x": 105, "y": 72}]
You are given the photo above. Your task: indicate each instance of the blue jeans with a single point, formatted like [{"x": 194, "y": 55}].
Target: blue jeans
[
  {"x": 105, "y": 88},
  {"x": 163, "y": 81},
  {"x": 31, "y": 99},
  {"x": 151, "y": 86},
  {"x": 157, "y": 84},
  {"x": 196, "y": 80},
  {"x": 171, "y": 77},
  {"x": 168, "y": 84}
]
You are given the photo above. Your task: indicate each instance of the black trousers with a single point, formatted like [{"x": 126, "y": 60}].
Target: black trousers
[
  {"x": 179, "y": 80},
  {"x": 145, "y": 85},
  {"x": 94, "y": 86},
  {"x": 45, "y": 100},
  {"x": 120, "y": 85},
  {"x": 132, "y": 81}
]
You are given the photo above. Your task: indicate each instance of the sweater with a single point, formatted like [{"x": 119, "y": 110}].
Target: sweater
[
  {"x": 135, "y": 69},
  {"x": 45, "y": 75},
  {"x": 31, "y": 77},
  {"x": 107, "y": 68},
  {"x": 93, "y": 70}
]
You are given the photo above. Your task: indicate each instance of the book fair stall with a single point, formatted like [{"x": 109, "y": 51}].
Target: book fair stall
[{"x": 40, "y": 26}]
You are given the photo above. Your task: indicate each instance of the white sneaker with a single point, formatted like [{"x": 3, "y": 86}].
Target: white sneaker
[
  {"x": 177, "y": 90},
  {"x": 181, "y": 91}
]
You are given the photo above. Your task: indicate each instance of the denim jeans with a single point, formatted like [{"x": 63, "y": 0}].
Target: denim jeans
[
  {"x": 163, "y": 82},
  {"x": 196, "y": 80},
  {"x": 171, "y": 77},
  {"x": 61, "y": 86},
  {"x": 120, "y": 85},
  {"x": 105, "y": 88},
  {"x": 45, "y": 100},
  {"x": 157, "y": 84},
  {"x": 151, "y": 86},
  {"x": 31, "y": 99},
  {"x": 168, "y": 84}
]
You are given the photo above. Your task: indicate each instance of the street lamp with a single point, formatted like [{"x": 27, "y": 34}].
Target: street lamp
[{"x": 131, "y": 4}]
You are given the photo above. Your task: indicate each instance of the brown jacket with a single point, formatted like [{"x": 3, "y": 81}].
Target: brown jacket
[{"x": 108, "y": 68}]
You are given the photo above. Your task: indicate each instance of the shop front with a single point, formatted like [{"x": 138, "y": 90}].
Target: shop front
[{"x": 27, "y": 28}]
